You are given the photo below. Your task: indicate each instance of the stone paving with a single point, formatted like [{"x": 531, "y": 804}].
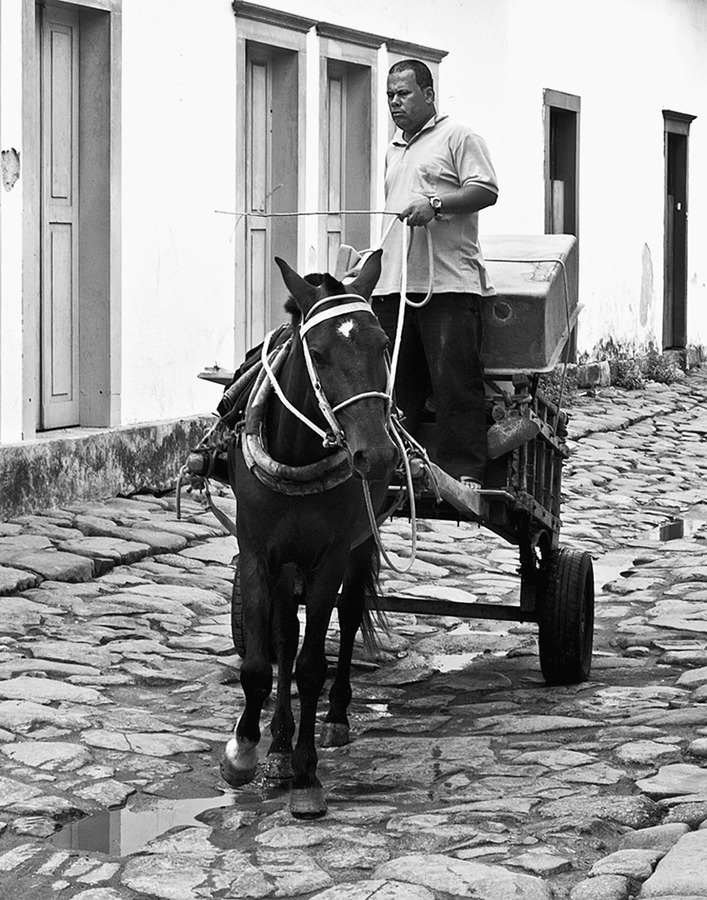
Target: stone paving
[{"x": 466, "y": 776}]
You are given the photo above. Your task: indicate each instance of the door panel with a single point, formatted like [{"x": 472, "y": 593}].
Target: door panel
[
  {"x": 335, "y": 162},
  {"x": 59, "y": 326},
  {"x": 258, "y": 188},
  {"x": 259, "y": 277},
  {"x": 347, "y": 159},
  {"x": 271, "y": 182},
  {"x": 59, "y": 306}
]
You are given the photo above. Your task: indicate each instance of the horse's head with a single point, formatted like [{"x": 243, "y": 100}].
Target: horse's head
[{"x": 346, "y": 348}]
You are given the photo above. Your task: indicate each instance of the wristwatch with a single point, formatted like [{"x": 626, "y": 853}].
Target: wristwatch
[{"x": 436, "y": 205}]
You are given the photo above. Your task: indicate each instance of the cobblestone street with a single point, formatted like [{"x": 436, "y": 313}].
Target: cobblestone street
[{"x": 466, "y": 775}]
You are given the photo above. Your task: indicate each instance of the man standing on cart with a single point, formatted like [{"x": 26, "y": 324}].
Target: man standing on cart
[{"x": 438, "y": 175}]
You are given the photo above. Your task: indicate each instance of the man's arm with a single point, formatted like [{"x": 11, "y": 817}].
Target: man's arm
[{"x": 469, "y": 198}]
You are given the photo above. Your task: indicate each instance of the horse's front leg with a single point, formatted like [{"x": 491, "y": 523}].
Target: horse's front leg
[
  {"x": 306, "y": 796},
  {"x": 361, "y": 575},
  {"x": 278, "y": 762},
  {"x": 240, "y": 757}
]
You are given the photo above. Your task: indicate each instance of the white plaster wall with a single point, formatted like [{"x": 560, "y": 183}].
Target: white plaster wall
[
  {"x": 178, "y": 160},
  {"x": 627, "y": 61}
]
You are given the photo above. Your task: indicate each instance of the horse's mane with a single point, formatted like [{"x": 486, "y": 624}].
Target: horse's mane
[{"x": 316, "y": 279}]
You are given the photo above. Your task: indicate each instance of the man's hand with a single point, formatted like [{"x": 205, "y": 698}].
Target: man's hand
[
  {"x": 469, "y": 198},
  {"x": 419, "y": 212}
]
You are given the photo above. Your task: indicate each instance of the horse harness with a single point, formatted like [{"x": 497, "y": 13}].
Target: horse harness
[{"x": 242, "y": 411}]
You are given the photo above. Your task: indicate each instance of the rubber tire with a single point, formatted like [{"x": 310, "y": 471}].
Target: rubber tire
[
  {"x": 237, "y": 632},
  {"x": 566, "y": 617}
]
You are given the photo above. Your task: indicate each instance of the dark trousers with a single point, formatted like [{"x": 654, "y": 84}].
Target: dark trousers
[{"x": 440, "y": 354}]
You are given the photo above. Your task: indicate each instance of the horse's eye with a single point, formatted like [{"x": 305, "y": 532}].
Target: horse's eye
[{"x": 317, "y": 358}]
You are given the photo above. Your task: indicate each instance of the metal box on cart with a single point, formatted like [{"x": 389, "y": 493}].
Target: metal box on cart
[{"x": 528, "y": 322}]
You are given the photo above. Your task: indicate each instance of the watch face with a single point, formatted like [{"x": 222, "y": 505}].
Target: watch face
[{"x": 436, "y": 203}]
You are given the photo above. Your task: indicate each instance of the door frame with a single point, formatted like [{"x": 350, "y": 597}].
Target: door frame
[
  {"x": 676, "y": 128},
  {"x": 278, "y": 31},
  {"x": 355, "y": 55},
  {"x": 567, "y": 104},
  {"x": 99, "y": 213},
  {"x": 570, "y": 103}
]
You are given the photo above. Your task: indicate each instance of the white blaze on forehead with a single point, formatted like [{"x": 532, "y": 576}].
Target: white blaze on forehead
[{"x": 347, "y": 328}]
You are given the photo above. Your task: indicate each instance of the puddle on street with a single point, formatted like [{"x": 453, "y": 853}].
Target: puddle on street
[
  {"x": 119, "y": 832},
  {"x": 612, "y": 565},
  {"x": 680, "y": 527},
  {"x": 685, "y": 525},
  {"x": 454, "y": 662}
]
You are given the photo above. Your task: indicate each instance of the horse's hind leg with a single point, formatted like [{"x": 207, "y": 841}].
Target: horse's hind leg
[
  {"x": 278, "y": 763},
  {"x": 360, "y": 577},
  {"x": 240, "y": 757}
]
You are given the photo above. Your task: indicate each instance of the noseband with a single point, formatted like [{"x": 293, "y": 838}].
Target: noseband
[{"x": 335, "y": 437}]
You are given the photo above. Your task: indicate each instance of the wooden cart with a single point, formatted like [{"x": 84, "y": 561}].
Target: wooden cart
[{"x": 526, "y": 327}]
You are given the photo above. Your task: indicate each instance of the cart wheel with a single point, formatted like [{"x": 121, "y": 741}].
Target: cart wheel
[
  {"x": 237, "y": 631},
  {"x": 566, "y": 617}
]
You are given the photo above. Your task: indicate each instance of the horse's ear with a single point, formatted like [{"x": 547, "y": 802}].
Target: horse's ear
[
  {"x": 301, "y": 290},
  {"x": 368, "y": 277}
]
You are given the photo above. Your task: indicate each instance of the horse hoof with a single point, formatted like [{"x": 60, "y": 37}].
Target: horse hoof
[
  {"x": 334, "y": 734},
  {"x": 233, "y": 776},
  {"x": 238, "y": 764},
  {"x": 278, "y": 768},
  {"x": 307, "y": 803}
]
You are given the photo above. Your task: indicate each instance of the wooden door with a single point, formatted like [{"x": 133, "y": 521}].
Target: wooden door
[
  {"x": 335, "y": 162},
  {"x": 258, "y": 191},
  {"x": 59, "y": 298},
  {"x": 347, "y": 160},
  {"x": 271, "y": 182}
]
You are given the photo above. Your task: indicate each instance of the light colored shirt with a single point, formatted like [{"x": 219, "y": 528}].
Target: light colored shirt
[{"x": 440, "y": 158}]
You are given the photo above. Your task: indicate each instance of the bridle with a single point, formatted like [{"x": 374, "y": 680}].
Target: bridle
[{"x": 335, "y": 436}]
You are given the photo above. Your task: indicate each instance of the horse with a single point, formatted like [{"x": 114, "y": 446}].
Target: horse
[{"x": 335, "y": 375}]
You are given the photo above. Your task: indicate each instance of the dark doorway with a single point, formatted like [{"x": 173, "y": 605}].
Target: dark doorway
[
  {"x": 561, "y": 120},
  {"x": 677, "y": 130}
]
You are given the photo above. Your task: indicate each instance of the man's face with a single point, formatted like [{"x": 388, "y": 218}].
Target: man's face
[{"x": 410, "y": 106}]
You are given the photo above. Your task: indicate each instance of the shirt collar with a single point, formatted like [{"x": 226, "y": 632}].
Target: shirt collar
[{"x": 398, "y": 139}]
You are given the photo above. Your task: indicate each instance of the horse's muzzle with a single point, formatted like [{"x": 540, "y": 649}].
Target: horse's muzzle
[{"x": 374, "y": 463}]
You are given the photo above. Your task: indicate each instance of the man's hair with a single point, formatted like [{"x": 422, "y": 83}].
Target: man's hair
[{"x": 423, "y": 76}]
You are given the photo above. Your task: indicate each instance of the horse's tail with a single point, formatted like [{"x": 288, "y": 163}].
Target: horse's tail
[{"x": 373, "y": 618}]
